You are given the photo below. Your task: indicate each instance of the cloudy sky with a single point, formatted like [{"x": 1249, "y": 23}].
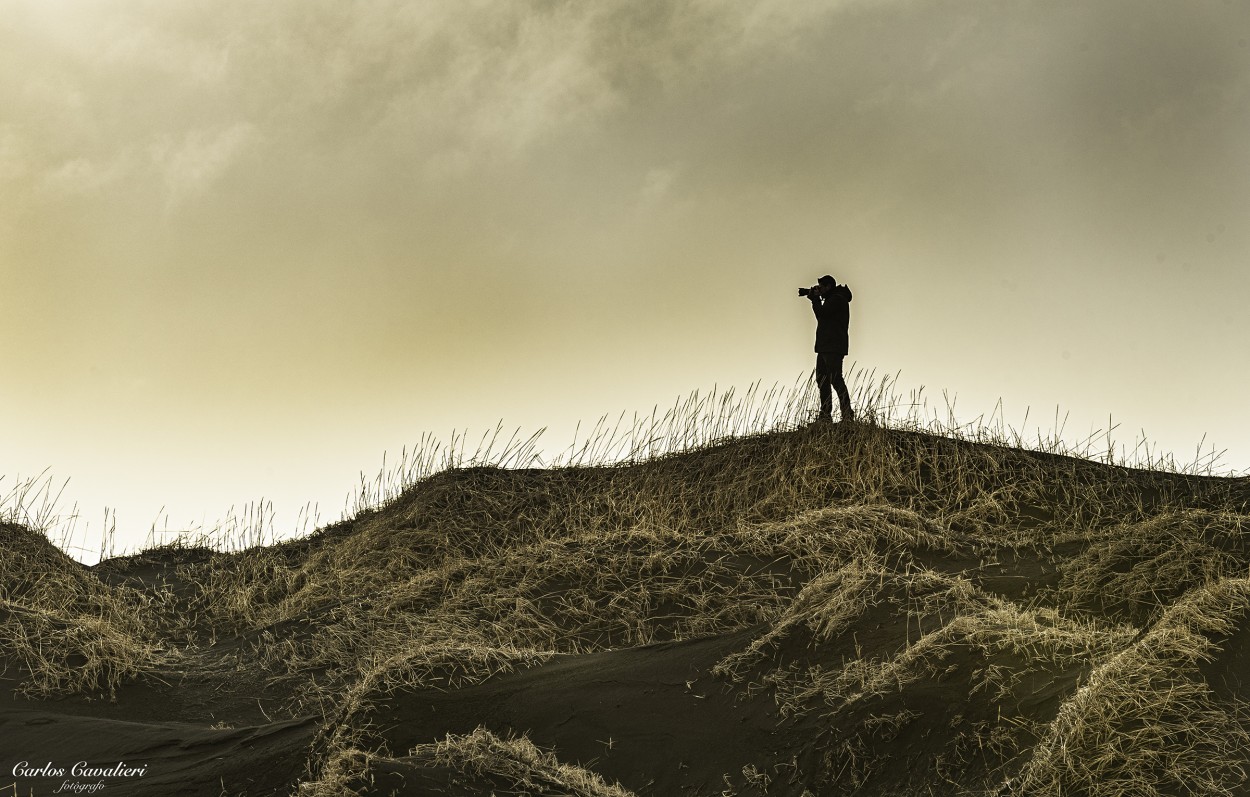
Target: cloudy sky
[{"x": 246, "y": 248}]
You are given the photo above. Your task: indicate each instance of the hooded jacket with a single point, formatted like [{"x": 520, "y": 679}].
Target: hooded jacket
[{"x": 833, "y": 320}]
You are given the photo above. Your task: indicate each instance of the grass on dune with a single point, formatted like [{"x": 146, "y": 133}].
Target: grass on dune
[
  {"x": 578, "y": 559},
  {"x": 720, "y": 515},
  {"x": 66, "y": 630},
  {"x": 1145, "y": 723},
  {"x": 1134, "y": 570},
  {"x": 480, "y": 763},
  {"x": 516, "y": 761}
]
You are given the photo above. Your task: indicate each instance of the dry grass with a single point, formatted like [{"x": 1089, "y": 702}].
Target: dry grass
[
  {"x": 68, "y": 632},
  {"x": 1135, "y": 570},
  {"x": 462, "y": 562},
  {"x": 517, "y": 762},
  {"x": 1145, "y": 722}
]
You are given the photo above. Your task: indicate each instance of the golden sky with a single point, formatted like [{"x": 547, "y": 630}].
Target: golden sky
[{"x": 247, "y": 247}]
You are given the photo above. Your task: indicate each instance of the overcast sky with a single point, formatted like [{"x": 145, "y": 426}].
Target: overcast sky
[{"x": 248, "y": 247}]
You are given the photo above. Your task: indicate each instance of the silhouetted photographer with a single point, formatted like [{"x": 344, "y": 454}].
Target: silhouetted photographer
[{"x": 831, "y": 303}]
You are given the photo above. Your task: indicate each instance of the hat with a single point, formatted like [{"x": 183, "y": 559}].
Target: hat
[{"x": 827, "y": 280}]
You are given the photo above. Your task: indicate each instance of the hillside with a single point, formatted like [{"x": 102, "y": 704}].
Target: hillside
[{"x": 844, "y": 609}]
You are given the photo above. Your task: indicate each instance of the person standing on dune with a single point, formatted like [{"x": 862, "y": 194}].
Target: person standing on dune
[{"x": 831, "y": 304}]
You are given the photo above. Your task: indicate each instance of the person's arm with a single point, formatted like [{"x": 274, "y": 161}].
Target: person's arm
[{"x": 816, "y": 305}]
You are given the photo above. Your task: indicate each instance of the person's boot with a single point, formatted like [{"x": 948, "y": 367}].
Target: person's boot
[{"x": 848, "y": 414}]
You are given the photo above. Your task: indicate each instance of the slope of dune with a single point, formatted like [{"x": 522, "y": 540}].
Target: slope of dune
[{"x": 847, "y": 609}]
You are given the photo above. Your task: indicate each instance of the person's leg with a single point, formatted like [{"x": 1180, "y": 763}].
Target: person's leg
[
  {"x": 824, "y": 377},
  {"x": 839, "y": 384}
]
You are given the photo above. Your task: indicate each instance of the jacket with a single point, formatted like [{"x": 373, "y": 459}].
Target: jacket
[{"x": 833, "y": 321}]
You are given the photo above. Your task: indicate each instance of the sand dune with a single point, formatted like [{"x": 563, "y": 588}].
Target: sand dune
[{"x": 843, "y": 610}]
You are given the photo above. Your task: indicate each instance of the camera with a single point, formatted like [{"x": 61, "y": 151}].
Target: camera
[{"x": 809, "y": 291}]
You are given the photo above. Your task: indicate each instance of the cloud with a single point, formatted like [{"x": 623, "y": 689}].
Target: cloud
[
  {"x": 191, "y": 165},
  {"x": 551, "y": 106},
  {"x": 656, "y": 185},
  {"x": 83, "y": 177},
  {"x": 399, "y": 89},
  {"x": 13, "y": 155}
]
